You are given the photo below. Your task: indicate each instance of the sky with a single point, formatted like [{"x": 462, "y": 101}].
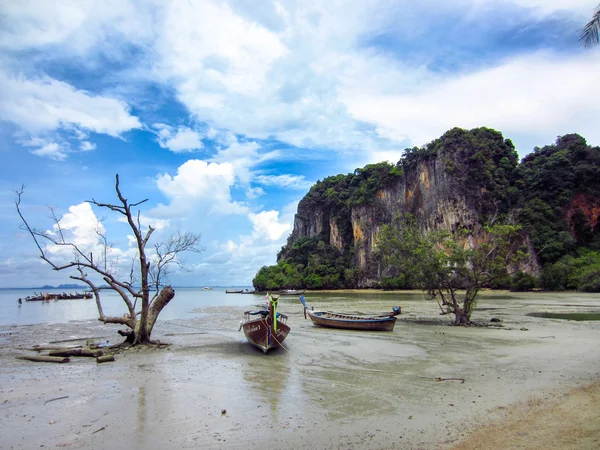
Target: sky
[{"x": 223, "y": 113}]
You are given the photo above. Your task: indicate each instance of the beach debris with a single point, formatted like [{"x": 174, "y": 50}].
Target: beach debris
[
  {"x": 524, "y": 329},
  {"x": 76, "y": 339},
  {"x": 57, "y": 398},
  {"x": 42, "y": 358},
  {"x": 462, "y": 380},
  {"x": 223, "y": 412},
  {"x": 103, "y": 359},
  {"x": 39, "y": 348},
  {"x": 99, "y": 429},
  {"x": 77, "y": 352},
  {"x": 495, "y": 320}
]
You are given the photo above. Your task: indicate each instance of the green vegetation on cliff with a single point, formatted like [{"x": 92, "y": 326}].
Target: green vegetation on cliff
[
  {"x": 554, "y": 194},
  {"x": 481, "y": 162}
]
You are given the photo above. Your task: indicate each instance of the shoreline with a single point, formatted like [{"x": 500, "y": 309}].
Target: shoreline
[{"x": 327, "y": 389}]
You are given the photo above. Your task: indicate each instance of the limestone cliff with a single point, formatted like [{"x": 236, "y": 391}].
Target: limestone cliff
[
  {"x": 462, "y": 179},
  {"x": 444, "y": 188}
]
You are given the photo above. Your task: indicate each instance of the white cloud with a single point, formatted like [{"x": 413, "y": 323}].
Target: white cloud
[
  {"x": 243, "y": 156},
  {"x": 87, "y": 146},
  {"x": 51, "y": 150},
  {"x": 267, "y": 224},
  {"x": 540, "y": 94},
  {"x": 46, "y": 104},
  {"x": 181, "y": 139},
  {"x": 553, "y": 6},
  {"x": 253, "y": 193},
  {"x": 199, "y": 184},
  {"x": 206, "y": 45},
  {"x": 46, "y": 148},
  {"x": 82, "y": 224},
  {"x": 74, "y": 25},
  {"x": 291, "y": 181}
]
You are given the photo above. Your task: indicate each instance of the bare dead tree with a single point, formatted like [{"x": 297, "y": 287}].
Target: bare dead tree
[{"x": 142, "y": 309}]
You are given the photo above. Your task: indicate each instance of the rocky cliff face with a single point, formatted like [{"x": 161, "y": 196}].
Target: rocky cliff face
[
  {"x": 459, "y": 180},
  {"x": 435, "y": 197}
]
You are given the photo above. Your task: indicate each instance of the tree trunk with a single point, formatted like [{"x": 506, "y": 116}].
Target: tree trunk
[
  {"x": 460, "y": 318},
  {"x": 142, "y": 336},
  {"x": 166, "y": 295}
]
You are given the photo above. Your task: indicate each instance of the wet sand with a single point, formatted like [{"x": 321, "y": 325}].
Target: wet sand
[{"x": 529, "y": 380}]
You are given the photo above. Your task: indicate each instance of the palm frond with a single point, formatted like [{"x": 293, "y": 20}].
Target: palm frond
[{"x": 589, "y": 33}]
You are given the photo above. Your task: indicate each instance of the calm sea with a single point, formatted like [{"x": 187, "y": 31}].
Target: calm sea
[{"x": 59, "y": 311}]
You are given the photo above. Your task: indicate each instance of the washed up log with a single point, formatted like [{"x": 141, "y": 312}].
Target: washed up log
[
  {"x": 76, "y": 339},
  {"x": 77, "y": 352},
  {"x": 39, "y": 348},
  {"x": 42, "y": 358},
  {"x": 103, "y": 359}
]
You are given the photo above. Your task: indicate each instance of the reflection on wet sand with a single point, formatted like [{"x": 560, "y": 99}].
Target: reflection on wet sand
[
  {"x": 141, "y": 413},
  {"x": 268, "y": 377}
]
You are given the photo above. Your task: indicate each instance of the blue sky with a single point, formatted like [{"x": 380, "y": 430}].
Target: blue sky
[{"x": 224, "y": 113}]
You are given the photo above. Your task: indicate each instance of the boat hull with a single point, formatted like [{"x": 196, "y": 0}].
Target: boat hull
[
  {"x": 261, "y": 334},
  {"x": 348, "y": 322}
]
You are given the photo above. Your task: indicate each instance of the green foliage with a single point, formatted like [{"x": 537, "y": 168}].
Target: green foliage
[
  {"x": 311, "y": 264},
  {"x": 570, "y": 273},
  {"x": 341, "y": 192},
  {"x": 441, "y": 263},
  {"x": 521, "y": 282},
  {"x": 548, "y": 180},
  {"x": 589, "y": 280},
  {"x": 390, "y": 283}
]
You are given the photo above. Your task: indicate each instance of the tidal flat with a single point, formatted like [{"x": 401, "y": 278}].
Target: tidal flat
[{"x": 326, "y": 389}]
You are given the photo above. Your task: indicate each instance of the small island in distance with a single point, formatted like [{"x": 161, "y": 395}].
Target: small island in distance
[{"x": 47, "y": 286}]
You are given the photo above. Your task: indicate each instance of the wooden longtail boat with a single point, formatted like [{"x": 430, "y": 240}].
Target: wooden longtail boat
[
  {"x": 265, "y": 328},
  {"x": 291, "y": 292},
  {"x": 330, "y": 319}
]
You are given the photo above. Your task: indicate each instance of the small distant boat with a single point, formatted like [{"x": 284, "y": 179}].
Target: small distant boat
[
  {"x": 206, "y": 288},
  {"x": 330, "y": 319},
  {"x": 265, "y": 328},
  {"x": 234, "y": 291},
  {"x": 291, "y": 292},
  {"x": 246, "y": 291}
]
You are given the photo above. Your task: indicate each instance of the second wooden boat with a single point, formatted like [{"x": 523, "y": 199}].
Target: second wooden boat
[{"x": 385, "y": 322}]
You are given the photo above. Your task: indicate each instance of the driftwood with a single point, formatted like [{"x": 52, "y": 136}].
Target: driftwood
[
  {"x": 42, "y": 358},
  {"x": 462, "y": 380},
  {"x": 77, "y": 352},
  {"x": 57, "y": 398},
  {"x": 39, "y": 348},
  {"x": 75, "y": 339},
  {"x": 103, "y": 359}
]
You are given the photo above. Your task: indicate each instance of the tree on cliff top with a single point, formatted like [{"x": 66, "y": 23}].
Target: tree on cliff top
[
  {"x": 441, "y": 263},
  {"x": 142, "y": 308}
]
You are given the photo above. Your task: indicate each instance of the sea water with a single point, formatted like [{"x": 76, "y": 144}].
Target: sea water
[{"x": 186, "y": 301}]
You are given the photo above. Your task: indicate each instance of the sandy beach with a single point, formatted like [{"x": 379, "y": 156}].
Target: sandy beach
[{"x": 529, "y": 383}]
